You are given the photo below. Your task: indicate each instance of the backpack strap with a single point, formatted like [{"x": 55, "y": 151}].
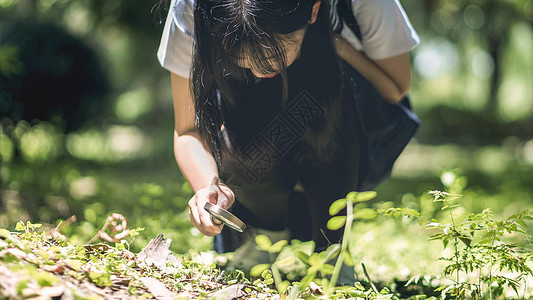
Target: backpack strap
[{"x": 342, "y": 13}]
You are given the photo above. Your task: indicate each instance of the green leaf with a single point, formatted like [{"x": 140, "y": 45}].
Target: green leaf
[
  {"x": 315, "y": 259},
  {"x": 20, "y": 226},
  {"x": 307, "y": 279},
  {"x": 348, "y": 260},
  {"x": 359, "y": 286},
  {"x": 283, "y": 286},
  {"x": 258, "y": 269},
  {"x": 467, "y": 241},
  {"x": 327, "y": 269},
  {"x": 331, "y": 251},
  {"x": 21, "y": 285},
  {"x": 278, "y": 246},
  {"x": 521, "y": 223},
  {"x": 11, "y": 239},
  {"x": 336, "y": 222},
  {"x": 33, "y": 226},
  {"x": 365, "y": 214},
  {"x": 101, "y": 279},
  {"x": 337, "y": 206},
  {"x": 352, "y": 196},
  {"x": 263, "y": 242},
  {"x": 45, "y": 279},
  {"x": 365, "y": 196},
  {"x": 135, "y": 232},
  {"x": 304, "y": 257},
  {"x": 74, "y": 264},
  {"x": 486, "y": 241},
  {"x": 120, "y": 246},
  {"x": 266, "y": 274}
]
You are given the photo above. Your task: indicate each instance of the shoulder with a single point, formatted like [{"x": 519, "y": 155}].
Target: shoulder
[
  {"x": 182, "y": 13},
  {"x": 377, "y": 9},
  {"x": 175, "y": 48},
  {"x": 385, "y": 28},
  {"x": 374, "y": 5}
]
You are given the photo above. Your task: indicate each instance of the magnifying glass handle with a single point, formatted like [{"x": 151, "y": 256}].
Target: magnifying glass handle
[{"x": 216, "y": 221}]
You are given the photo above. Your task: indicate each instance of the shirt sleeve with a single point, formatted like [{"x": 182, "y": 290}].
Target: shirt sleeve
[
  {"x": 175, "y": 49},
  {"x": 385, "y": 28}
]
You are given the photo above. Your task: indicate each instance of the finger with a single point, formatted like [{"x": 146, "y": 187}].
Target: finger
[
  {"x": 210, "y": 229},
  {"x": 222, "y": 191},
  {"x": 205, "y": 219},
  {"x": 213, "y": 196},
  {"x": 226, "y": 197},
  {"x": 206, "y": 229},
  {"x": 191, "y": 218},
  {"x": 199, "y": 217},
  {"x": 193, "y": 211}
]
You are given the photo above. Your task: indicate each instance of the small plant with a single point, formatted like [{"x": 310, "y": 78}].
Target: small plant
[
  {"x": 480, "y": 248},
  {"x": 321, "y": 275},
  {"x": 482, "y": 261},
  {"x": 270, "y": 274},
  {"x": 337, "y": 222}
]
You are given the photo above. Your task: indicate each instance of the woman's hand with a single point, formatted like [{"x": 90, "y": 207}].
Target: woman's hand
[
  {"x": 195, "y": 162},
  {"x": 217, "y": 193}
]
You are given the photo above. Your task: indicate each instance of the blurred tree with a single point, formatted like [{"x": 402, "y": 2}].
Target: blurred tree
[
  {"x": 49, "y": 74},
  {"x": 487, "y": 22},
  {"x": 57, "y": 40},
  {"x": 127, "y": 34}
]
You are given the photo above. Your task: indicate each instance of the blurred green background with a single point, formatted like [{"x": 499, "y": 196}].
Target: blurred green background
[{"x": 86, "y": 122}]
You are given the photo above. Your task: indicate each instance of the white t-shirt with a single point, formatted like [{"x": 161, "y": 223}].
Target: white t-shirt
[{"x": 385, "y": 32}]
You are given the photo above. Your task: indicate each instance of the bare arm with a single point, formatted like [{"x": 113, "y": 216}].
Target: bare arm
[
  {"x": 391, "y": 76},
  {"x": 398, "y": 68},
  {"x": 196, "y": 163}
]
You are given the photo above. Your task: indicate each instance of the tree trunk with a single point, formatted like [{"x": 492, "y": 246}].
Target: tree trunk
[{"x": 494, "y": 48}]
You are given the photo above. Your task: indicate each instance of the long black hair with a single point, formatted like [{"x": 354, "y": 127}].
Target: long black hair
[{"x": 227, "y": 30}]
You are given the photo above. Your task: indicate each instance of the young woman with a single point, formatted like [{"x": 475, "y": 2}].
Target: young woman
[
  {"x": 382, "y": 42},
  {"x": 274, "y": 110}
]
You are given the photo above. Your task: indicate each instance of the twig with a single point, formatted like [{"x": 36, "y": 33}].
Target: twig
[
  {"x": 369, "y": 280},
  {"x": 65, "y": 223},
  {"x": 56, "y": 232},
  {"x": 325, "y": 236},
  {"x": 344, "y": 247},
  {"x": 97, "y": 236},
  {"x": 114, "y": 227}
]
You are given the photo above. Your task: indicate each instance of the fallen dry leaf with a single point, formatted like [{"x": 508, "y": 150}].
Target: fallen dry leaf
[
  {"x": 158, "y": 289},
  {"x": 17, "y": 253},
  {"x": 315, "y": 288},
  {"x": 57, "y": 268}
]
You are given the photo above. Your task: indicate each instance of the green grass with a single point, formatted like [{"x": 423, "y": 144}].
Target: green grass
[{"x": 150, "y": 192}]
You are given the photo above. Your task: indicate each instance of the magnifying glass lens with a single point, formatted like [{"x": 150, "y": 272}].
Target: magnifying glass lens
[{"x": 225, "y": 216}]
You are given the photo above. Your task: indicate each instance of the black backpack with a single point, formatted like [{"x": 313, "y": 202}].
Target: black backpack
[
  {"x": 341, "y": 12},
  {"x": 386, "y": 128}
]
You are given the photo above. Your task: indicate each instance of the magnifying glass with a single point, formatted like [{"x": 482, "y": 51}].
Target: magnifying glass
[{"x": 225, "y": 217}]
